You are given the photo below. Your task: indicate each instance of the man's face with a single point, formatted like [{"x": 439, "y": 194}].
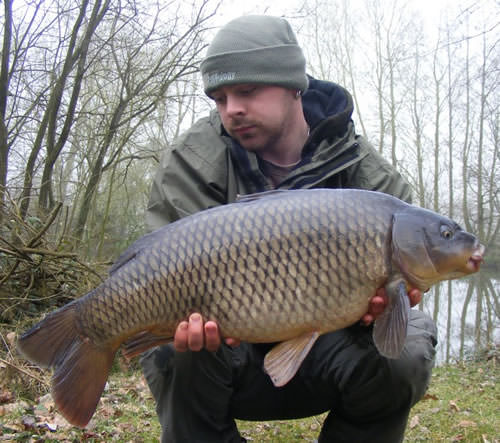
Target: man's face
[{"x": 256, "y": 116}]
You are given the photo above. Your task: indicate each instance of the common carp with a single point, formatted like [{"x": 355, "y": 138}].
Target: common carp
[{"x": 284, "y": 266}]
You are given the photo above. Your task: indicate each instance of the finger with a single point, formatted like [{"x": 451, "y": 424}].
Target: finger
[
  {"x": 195, "y": 332},
  {"x": 181, "y": 337},
  {"x": 381, "y": 292},
  {"x": 367, "y": 319},
  {"x": 212, "y": 336},
  {"x": 415, "y": 296},
  {"x": 233, "y": 342},
  {"x": 377, "y": 305}
]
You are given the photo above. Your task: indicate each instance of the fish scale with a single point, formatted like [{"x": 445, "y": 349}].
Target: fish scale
[{"x": 281, "y": 267}]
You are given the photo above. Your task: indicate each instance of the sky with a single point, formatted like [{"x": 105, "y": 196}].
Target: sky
[
  {"x": 234, "y": 8},
  {"x": 432, "y": 10}
]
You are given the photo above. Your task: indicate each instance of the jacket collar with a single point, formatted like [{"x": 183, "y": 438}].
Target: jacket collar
[{"x": 328, "y": 108}]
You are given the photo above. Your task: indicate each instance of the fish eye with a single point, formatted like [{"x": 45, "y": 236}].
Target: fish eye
[{"x": 446, "y": 232}]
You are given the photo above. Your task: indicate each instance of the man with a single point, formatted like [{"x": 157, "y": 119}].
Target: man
[{"x": 274, "y": 127}]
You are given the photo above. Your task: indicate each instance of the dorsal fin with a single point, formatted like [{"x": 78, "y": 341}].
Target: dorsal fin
[{"x": 245, "y": 198}]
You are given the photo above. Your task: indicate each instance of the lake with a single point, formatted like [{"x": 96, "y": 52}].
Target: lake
[{"x": 467, "y": 314}]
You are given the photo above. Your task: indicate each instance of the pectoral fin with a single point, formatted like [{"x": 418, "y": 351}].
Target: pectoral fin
[
  {"x": 284, "y": 360},
  {"x": 390, "y": 329}
]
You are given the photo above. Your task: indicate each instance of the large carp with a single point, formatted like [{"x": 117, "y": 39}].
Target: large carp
[{"x": 283, "y": 266}]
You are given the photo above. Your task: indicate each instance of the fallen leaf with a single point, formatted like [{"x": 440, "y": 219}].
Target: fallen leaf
[
  {"x": 415, "y": 421},
  {"x": 16, "y": 427},
  {"x": 28, "y": 422},
  {"x": 11, "y": 338},
  {"x": 6, "y": 396},
  {"x": 47, "y": 402},
  {"x": 62, "y": 422},
  {"x": 106, "y": 411},
  {"x": 42, "y": 413},
  {"x": 467, "y": 424},
  {"x": 454, "y": 406},
  {"x": 51, "y": 426},
  {"x": 127, "y": 427},
  {"x": 430, "y": 397},
  {"x": 16, "y": 406}
]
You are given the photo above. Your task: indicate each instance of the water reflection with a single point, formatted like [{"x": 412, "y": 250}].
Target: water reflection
[{"x": 467, "y": 314}]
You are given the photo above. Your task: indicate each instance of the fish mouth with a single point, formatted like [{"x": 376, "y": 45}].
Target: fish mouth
[{"x": 476, "y": 259}]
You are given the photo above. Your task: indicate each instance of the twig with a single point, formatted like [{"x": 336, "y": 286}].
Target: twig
[
  {"x": 89, "y": 269},
  {"x": 51, "y": 253},
  {"x": 12, "y": 365},
  {"x": 11, "y": 271},
  {"x": 49, "y": 221},
  {"x": 15, "y": 250}
]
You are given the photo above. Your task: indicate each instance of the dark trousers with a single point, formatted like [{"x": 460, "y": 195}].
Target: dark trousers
[{"x": 199, "y": 394}]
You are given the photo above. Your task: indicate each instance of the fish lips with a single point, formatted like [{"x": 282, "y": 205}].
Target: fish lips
[{"x": 476, "y": 258}]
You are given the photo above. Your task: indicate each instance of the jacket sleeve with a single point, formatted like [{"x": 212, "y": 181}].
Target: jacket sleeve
[
  {"x": 375, "y": 173},
  {"x": 191, "y": 176}
]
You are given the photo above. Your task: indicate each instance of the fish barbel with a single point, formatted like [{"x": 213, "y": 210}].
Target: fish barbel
[{"x": 284, "y": 266}]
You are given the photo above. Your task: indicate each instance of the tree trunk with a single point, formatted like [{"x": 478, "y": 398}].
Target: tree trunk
[
  {"x": 4, "y": 88},
  {"x": 75, "y": 55}
]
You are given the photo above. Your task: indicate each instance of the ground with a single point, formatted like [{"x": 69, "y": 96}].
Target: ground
[{"x": 462, "y": 405}]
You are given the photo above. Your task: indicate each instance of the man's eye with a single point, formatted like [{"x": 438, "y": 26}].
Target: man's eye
[{"x": 247, "y": 91}]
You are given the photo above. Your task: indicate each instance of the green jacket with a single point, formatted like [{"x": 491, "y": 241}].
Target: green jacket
[{"x": 204, "y": 167}]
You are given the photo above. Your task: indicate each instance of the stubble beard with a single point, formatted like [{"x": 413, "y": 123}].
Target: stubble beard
[{"x": 268, "y": 138}]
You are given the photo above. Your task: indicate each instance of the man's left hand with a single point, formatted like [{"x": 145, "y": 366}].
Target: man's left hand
[{"x": 380, "y": 301}]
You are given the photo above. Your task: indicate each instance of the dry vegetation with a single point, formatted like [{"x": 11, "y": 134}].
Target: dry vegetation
[{"x": 38, "y": 271}]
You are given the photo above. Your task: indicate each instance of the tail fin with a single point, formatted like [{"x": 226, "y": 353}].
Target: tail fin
[{"x": 80, "y": 367}]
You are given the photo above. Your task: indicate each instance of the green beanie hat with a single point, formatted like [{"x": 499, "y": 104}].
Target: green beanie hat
[{"x": 255, "y": 49}]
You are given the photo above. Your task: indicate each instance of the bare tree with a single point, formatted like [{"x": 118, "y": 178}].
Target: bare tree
[
  {"x": 138, "y": 91},
  {"x": 87, "y": 76},
  {"x": 4, "y": 89},
  {"x": 76, "y": 58},
  {"x": 49, "y": 132},
  {"x": 418, "y": 118}
]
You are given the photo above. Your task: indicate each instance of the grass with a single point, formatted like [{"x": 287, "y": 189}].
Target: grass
[{"x": 462, "y": 404}]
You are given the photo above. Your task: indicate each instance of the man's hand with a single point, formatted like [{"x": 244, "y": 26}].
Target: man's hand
[
  {"x": 380, "y": 301},
  {"x": 196, "y": 334}
]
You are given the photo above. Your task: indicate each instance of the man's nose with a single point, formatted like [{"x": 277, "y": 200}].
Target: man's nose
[{"x": 234, "y": 106}]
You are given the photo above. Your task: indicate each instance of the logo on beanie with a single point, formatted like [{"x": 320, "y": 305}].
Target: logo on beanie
[{"x": 216, "y": 78}]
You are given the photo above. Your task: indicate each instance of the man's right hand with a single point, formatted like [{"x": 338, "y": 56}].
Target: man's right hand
[{"x": 196, "y": 334}]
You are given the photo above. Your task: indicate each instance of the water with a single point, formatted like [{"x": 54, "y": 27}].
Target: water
[{"x": 468, "y": 321}]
